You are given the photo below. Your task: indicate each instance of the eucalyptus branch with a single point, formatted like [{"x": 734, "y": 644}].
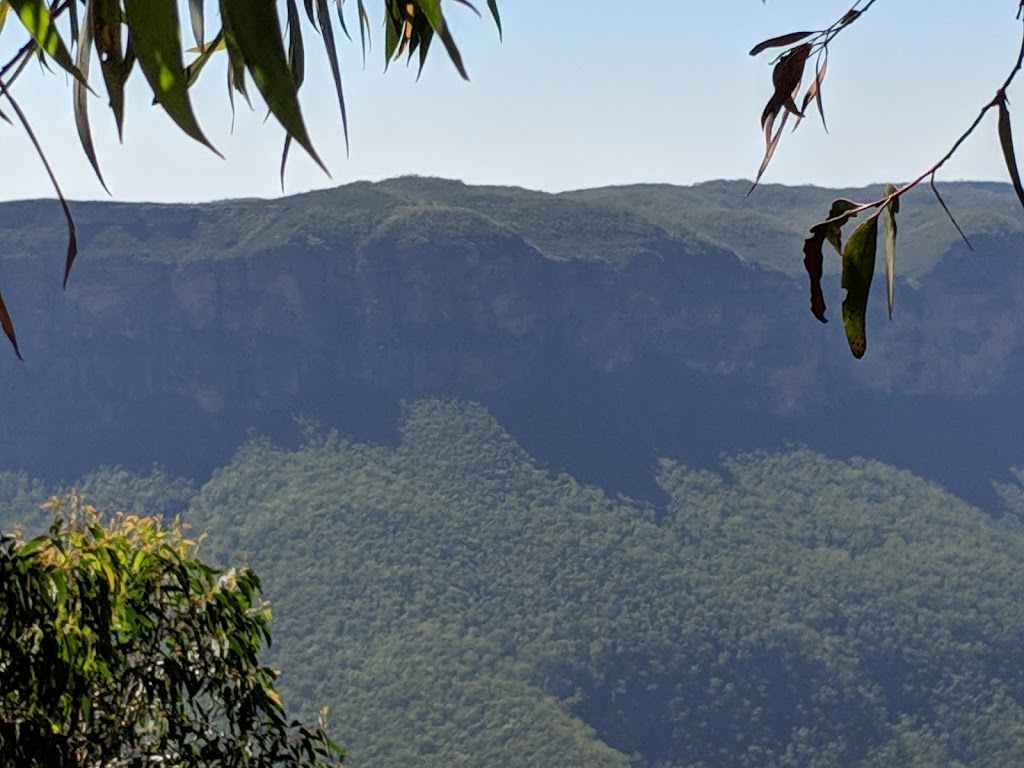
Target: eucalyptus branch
[
  {"x": 997, "y": 100},
  {"x": 787, "y": 76},
  {"x": 858, "y": 252}
]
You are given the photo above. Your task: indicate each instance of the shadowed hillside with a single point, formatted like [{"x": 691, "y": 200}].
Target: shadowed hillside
[{"x": 605, "y": 328}]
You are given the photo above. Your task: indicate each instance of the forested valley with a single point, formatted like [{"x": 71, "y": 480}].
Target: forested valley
[
  {"x": 559, "y": 480},
  {"x": 455, "y": 603}
]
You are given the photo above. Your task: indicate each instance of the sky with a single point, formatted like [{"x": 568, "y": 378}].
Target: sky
[{"x": 575, "y": 95}]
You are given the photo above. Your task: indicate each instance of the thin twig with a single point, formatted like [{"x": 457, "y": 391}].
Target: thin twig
[{"x": 999, "y": 97}]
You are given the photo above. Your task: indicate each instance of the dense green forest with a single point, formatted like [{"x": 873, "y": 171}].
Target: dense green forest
[{"x": 455, "y": 603}]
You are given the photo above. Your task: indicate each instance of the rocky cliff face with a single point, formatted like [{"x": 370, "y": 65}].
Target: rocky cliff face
[{"x": 601, "y": 338}]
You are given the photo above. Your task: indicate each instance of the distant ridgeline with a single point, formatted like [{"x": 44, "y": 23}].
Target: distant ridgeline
[
  {"x": 456, "y": 604},
  {"x": 605, "y": 328}
]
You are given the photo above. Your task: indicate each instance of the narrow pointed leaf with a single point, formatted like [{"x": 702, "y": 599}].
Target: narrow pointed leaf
[
  {"x": 106, "y": 33},
  {"x": 195, "y": 12},
  {"x": 451, "y": 48},
  {"x": 394, "y": 21},
  {"x": 72, "y": 251},
  {"x": 949, "y": 214},
  {"x": 296, "y": 50},
  {"x": 156, "y": 36},
  {"x": 858, "y": 270},
  {"x": 35, "y": 15},
  {"x": 493, "y": 5},
  {"x": 327, "y": 31},
  {"x": 814, "y": 93},
  {"x": 782, "y": 41},
  {"x": 364, "y": 28},
  {"x": 7, "y": 324},
  {"x": 252, "y": 28},
  {"x": 73, "y": 23},
  {"x": 341, "y": 20},
  {"x": 5, "y": 7},
  {"x": 81, "y": 96},
  {"x": 1006, "y": 141},
  {"x": 889, "y": 211}
]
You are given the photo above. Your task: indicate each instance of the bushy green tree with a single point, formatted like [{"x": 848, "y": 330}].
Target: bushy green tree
[{"x": 119, "y": 647}]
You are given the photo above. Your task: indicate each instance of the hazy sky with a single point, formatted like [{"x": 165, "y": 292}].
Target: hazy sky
[{"x": 577, "y": 95}]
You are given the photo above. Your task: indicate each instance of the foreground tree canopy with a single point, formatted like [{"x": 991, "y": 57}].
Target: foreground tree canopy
[
  {"x": 119, "y": 647},
  {"x": 263, "y": 42}
]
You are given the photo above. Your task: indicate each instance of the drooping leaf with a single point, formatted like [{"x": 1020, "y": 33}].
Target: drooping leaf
[
  {"x": 786, "y": 77},
  {"x": 296, "y": 50},
  {"x": 364, "y": 28},
  {"x": 195, "y": 12},
  {"x": 35, "y": 15},
  {"x": 8, "y": 325},
  {"x": 858, "y": 270},
  {"x": 1006, "y": 142},
  {"x": 782, "y": 41},
  {"x": 156, "y": 37},
  {"x": 73, "y": 23},
  {"x": 394, "y": 22},
  {"x": 493, "y": 6},
  {"x": 814, "y": 92},
  {"x": 949, "y": 214},
  {"x": 72, "y": 251},
  {"x": 327, "y": 31},
  {"x": 81, "y": 95},
  {"x": 106, "y": 33},
  {"x": 5, "y": 7},
  {"x": 889, "y": 211},
  {"x": 251, "y": 27},
  {"x": 771, "y": 143},
  {"x": 814, "y": 259},
  {"x": 452, "y": 49}
]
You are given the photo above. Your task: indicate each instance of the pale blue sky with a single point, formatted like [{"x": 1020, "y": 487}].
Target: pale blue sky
[{"x": 578, "y": 95}]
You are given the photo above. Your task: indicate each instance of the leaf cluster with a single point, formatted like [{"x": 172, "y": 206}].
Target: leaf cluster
[
  {"x": 858, "y": 257},
  {"x": 127, "y": 36},
  {"x": 118, "y": 647}
]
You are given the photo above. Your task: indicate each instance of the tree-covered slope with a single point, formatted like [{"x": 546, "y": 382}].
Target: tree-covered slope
[{"x": 455, "y": 603}]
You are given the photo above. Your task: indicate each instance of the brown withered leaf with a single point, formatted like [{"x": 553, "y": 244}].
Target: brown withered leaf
[
  {"x": 779, "y": 42},
  {"x": 787, "y": 75},
  {"x": 814, "y": 92},
  {"x": 813, "y": 257}
]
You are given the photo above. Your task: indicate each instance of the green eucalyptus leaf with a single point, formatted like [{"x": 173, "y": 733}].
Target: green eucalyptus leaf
[
  {"x": 830, "y": 229},
  {"x": 327, "y": 31},
  {"x": 251, "y": 28},
  {"x": 106, "y": 33},
  {"x": 156, "y": 37},
  {"x": 1006, "y": 142},
  {"x": 195, "y": 12},
  {"x": 493, "y": 5},
  {"x": 889, "y": 211},
  {"x": 35, "y": 15},
  {"x": 858, "y": 270},
  {"x": 81, "y": 96}
]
